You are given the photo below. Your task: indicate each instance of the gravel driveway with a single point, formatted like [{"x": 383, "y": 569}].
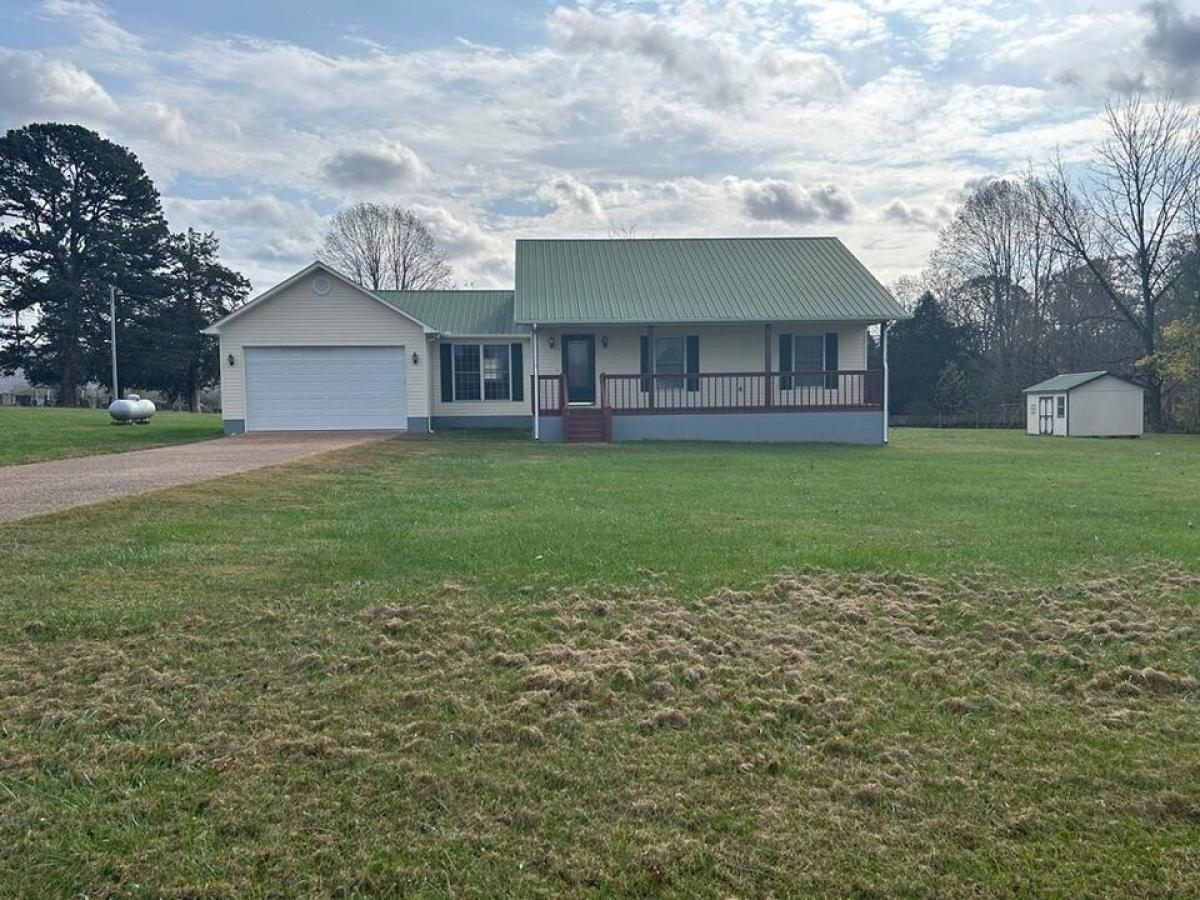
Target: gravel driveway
[{"x": 38, "y": 488}]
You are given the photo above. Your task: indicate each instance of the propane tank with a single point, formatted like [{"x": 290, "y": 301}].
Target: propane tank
[{"x": 133, "y": 409}]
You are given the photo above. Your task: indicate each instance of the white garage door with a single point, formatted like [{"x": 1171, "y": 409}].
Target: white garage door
[{"x": 326, "y": 388}]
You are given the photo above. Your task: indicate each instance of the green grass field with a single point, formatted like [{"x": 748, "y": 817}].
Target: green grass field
[
  {"x": 968, "y": 662},
  {"x": 32, "y": 434}
]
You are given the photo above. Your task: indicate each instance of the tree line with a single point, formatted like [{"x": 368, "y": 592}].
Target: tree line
[{"x": 1074, "y": 266}]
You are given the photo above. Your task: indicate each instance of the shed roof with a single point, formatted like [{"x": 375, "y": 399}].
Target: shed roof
[
  {"x": 1069, "y": 381},
  {"x": 794, "y": 279},
  {"x": 459, "y": 312}
]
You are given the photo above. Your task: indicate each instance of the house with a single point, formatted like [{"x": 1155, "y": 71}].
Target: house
[
  {"x": 742, "y": 339},
  {"x": 15, "y": 390},
  {"x": 1085, "y": 404}
]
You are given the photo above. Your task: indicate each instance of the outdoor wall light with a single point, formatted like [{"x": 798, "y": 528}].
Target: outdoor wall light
[
  {"x": 416, "y": 358},
  {"x": 551, "y": 342},
  {"x": 232, "y": 361},
  {"x": 604, "y": 340}
]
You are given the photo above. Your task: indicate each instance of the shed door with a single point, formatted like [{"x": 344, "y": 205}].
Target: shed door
[
  {"x": 1045, "y": 415},
  {"x": 325, "y": 388}
]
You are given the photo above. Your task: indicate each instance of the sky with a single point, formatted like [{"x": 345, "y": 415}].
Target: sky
[{"x": 493, "y": 120}]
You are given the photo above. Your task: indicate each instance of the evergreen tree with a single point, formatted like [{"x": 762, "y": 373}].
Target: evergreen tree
[
  {"x": 77, "y": 214},
  {"x": 176, "y": 358},
  {"x": 919, "y": 350}
]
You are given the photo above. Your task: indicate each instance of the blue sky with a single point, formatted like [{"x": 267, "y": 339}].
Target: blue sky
[{"x": 494, "y": 120}]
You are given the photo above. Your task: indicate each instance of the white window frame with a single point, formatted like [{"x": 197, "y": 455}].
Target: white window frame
[{"x": 483, "y": 397}]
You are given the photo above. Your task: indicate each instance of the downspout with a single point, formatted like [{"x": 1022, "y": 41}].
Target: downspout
[
  {"x": 430, "y": 342},
  {"x": 884, "y": 334},
  {"x": 537, "y": 386}
]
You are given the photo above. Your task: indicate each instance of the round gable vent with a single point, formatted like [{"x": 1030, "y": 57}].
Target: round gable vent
[{"x": 322, "y": 284}]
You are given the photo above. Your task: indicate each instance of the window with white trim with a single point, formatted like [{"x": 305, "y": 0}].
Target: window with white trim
[
  {"x": 482, "y": 371},
  {"x": 1062, "y": 408}
]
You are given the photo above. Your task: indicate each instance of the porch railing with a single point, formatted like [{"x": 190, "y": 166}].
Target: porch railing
[
  {"x": 743, "y": 392},
  {"x": 551, "y": 394}
]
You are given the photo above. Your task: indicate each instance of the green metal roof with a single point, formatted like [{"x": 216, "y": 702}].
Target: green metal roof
[
  {"x": 1067, "y": 382},
  {"x": 814, "y": 279},
  {"x": 458, "y": 312}
]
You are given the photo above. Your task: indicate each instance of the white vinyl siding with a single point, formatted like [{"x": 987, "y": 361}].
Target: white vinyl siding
[
  {"x": 736, "y": 347},
  {"x": 298, "y": 317},
  {"x": 481, "y": 407},
  {"x": 1106, "y": 407}
]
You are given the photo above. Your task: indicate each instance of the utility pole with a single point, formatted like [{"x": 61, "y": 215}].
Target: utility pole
[{"x": 112, "y": 325}]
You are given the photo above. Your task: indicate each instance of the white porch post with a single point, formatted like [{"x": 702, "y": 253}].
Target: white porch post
[
  {"x": 537, "y": 387},
  {"x": 883, "y": 336}
]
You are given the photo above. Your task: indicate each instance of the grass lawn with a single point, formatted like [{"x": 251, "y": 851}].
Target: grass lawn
[
  {"x": 34, "y": 433},
  {"x": 966, "y": 662}
]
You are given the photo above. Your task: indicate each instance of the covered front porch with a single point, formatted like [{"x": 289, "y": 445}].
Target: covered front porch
[{"x": 731, "y": 382}]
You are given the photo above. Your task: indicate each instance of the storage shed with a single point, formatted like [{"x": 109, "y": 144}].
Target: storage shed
[{"x": 1085, "y": 404}]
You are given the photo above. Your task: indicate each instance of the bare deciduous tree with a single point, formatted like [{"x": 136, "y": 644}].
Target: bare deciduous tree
[
  {"x": 1128, "y": 221},
  {"x": 385, "y": 247},
  {"x": 989, "y": 261}
]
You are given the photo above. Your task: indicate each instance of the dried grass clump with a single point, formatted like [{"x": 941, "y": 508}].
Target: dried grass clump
[
  {"x": 665, "y": 718},
  {"x": 1127, "y": 680}
]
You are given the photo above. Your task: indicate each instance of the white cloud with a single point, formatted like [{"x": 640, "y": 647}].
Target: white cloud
[
  {"x": 478, "y": 258},
  {"x": 906, "y": 215},
  {"x": 382, "y": 167},
  {"x": 33, "y": 86},
  {"x": 93, "y": 23},
  {"x": 722, "y": 72},
  {"x": 773, "y": 200},
  {"x": 568, "y": 191},
  {"x": 845, "y": 24},
  {"x": 263, "y": 235}
]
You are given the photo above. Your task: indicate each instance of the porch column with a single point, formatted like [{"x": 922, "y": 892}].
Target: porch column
[
  {"x": 767, "y": 365},
  {"x": 537, "y": 387},
  {"x": 883, "y": 331},
  {"x": 650, "y": 364}
]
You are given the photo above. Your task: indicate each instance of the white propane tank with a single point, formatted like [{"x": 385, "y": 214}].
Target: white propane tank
[{"x": 131, "y": 409}]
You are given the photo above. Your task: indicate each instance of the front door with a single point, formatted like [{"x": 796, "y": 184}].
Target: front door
[
  {"x": 1045, "y": 415},
  {"x": 579, "y": 364}
]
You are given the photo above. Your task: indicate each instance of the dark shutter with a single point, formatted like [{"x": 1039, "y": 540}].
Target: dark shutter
[
  {"x": 692, "y": 361},
  {"x": 644, "y": 371},
  {"x": 785, "y": 361},
  {"x": 447, "y": 373},
  {"x": 831, "y": 360},
  {"x": 518, "y": 372}
]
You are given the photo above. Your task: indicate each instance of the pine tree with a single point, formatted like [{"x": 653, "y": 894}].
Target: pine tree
[{"x": 77, "y": 214}]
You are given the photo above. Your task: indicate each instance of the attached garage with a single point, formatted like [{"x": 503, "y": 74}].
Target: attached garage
[
  {"x": 318, "y": 352},
  {"x": 325, "y": 388}
]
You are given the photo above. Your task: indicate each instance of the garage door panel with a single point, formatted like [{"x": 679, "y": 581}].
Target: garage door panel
[{"x": 325, "y": 388}]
